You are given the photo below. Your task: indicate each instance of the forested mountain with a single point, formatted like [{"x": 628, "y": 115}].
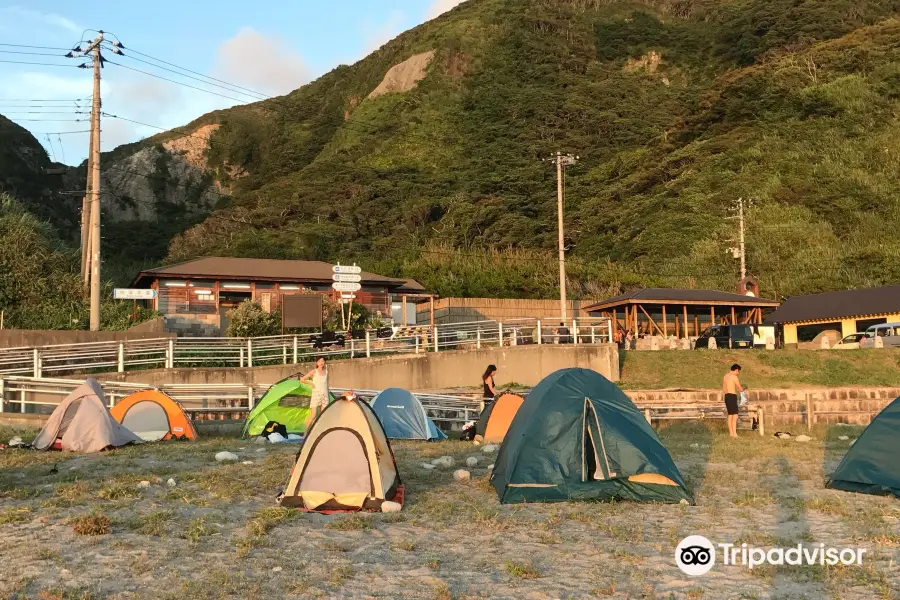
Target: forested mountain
[{"x": 426, "y": 159}]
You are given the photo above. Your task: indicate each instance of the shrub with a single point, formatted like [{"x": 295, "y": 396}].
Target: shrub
[{"x": 248, "y": 319}]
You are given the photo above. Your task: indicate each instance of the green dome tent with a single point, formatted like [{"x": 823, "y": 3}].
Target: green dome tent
[
  {"x": 870, "y": 465},
  {"x": 577, "y": 436},
  {"x": 286, "y": 402}
]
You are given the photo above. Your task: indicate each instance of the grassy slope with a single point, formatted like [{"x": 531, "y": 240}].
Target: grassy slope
[
  {"x": 704, "y": 369},
  {"x": 791, "y": 103}
]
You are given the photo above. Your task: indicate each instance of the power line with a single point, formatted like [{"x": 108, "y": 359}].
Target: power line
[
  {"x": 43, "y": 99},
  {"x": 261, "y": 96},
  {"x": 37, "y": 47},
  {"x": 22, "y": 62},
  {"x": 175, "y": 82},
  {"x": 52, "y": 152},
  {"x": 132, "y": 50},
  {"x": 58, "y": 133},
  {"x": 30, "y": 53}
]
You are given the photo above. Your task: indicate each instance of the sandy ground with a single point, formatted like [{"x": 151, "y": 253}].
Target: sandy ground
[{"x": 217, "y": 533}]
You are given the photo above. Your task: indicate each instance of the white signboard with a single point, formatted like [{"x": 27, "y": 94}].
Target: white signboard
[
  {"x": 354, "y": 270},
  {"x": 133, "y": 294},
  {"x": 349, "y": 277},
  {"x": 345, "y": 286},
  {"x": 348, "y": 296}
]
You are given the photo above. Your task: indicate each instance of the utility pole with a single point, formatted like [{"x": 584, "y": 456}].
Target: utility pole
[
  {"x": 561, "y": 160},
  {"x": 90, "y": 231},
  {"x": 740, "y": 252}
]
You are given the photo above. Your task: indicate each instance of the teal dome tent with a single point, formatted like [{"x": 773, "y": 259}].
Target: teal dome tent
[
  {"x": 577, "y": 436},
  {"x": 871, "y": 465}
]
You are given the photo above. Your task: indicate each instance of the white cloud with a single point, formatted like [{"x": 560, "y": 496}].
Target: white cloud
[
  {"x": 52, "y": 19},
  {"x": 264, "y": 63},
  {"x": 377, "y": 36},
  {"x": 439, "y": 7}
]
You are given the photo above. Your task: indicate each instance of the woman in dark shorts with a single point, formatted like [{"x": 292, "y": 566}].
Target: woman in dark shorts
[{"x": 731, "y": 386}]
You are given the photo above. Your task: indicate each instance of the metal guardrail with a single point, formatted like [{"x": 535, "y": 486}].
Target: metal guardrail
[
  {"x": 169, "y": 353},
  {"x": 18, "y": 393}
]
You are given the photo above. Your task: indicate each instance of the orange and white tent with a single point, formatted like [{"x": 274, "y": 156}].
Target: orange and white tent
[
  {"x": 154, "y": 416},
  {"x": 494, "y": 422},
  {"x": 346, "y": 463}
]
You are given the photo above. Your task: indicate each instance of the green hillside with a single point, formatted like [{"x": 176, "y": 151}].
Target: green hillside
[{"x": 677, "y": 108}]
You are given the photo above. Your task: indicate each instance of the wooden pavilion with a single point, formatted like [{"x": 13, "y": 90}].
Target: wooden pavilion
[{"x": 678, "y": 312}]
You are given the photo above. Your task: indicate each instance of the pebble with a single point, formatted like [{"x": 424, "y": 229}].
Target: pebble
[
  {"x": 491, "y": 467},
  {"x": 260, "y": 440},
  {"x": 247, "y": 462},
  {"x": 389, "y": 506},
  {"x": 490, "y": 448},
  {"x": 802, "y": 438},
  {"x": 477, "y": 443},
  {"x": 843, "y": 438},
  {"x": 695, "y": 445},
  {"x": 260, "y": 449},
  {"x": 171, "y": 483},
  {"x": 428, "y": 466},
  {"x": 222, "y": 456},
  {"x": 276, "y": 569},
  {"x": 471, "y": 462},
  {"x": 461, "y": 475},
  {"x": 444, "y": 461},
  {"x": 144, "y": 484}
]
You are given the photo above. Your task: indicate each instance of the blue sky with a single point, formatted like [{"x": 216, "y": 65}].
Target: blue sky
[{"x": 273, "y": 48}]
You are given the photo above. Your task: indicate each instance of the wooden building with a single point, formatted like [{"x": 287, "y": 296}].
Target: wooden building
[
  {"x": 680, "y": 313},
  {"x": 207, "y": 288},
  {"x": 802, "y": 318}
]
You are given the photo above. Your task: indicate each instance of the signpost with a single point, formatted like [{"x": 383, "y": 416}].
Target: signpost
[{"x": 346, "y": 280}]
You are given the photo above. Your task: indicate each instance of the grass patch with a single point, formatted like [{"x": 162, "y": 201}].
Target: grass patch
[
  {"x": 354, "y": 522},
  {"x": 522, "y": 570},
  {"x": 154, "y": 523},
  {"x": 15, "y": 515},
  {"x": 92, "y": 524},
  {"x": 196, "y": 529},
  {"x": 756, "y": 499},
  {"x": 404, "y": 545},
  {"x": 340, "y": 574}
]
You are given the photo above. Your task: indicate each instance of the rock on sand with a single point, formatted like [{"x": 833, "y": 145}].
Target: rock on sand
[
  {"x": 224, "y": 456},
  {"x": 444, "y": 461},
  {"x": 461, "y": 475},
  {"x": 490, "y": 448},
  {"x": 471, "y": 462},
  {"x": 389, "y": 506}
]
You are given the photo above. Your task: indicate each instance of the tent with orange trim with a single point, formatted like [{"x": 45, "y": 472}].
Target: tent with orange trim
[
  {"x": 154, "y": 416},
  {"x": 496, "y": 418}
]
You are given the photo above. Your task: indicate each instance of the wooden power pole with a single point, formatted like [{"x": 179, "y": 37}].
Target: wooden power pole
[
  {"x": 561, "y": 160},
  {"x": 86, "y": 221},
  {"x": 95, "y": 187}
]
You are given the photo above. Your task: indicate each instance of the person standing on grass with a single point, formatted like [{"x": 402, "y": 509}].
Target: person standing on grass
[
  {"x": 487, "y": 380},
  {"x": 318, "y": 400},
  {"x": 731, "y": 387}
]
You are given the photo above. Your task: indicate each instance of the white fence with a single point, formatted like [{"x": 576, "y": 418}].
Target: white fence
[
  {"x": 169, "y": 353},
  {"x": 27, "y": 394}
]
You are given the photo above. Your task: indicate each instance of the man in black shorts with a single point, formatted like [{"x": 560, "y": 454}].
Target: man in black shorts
[{"x": 731, "y": 386}]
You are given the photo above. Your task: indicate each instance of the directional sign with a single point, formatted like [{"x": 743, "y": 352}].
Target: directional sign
[
  {"x": 133, "y": 294},
  {"x": 348, "y": 296},
  {"x": 345, "y": 286},
  {"x": 354, "y": 270},
  {"x": 349, "y": 277}
]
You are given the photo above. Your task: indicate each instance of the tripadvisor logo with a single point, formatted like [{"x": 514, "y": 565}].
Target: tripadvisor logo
[{"x": 696, "y": 555}]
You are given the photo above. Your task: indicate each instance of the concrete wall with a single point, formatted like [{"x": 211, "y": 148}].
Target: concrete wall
[
  {"x": 462, "y": 310},
  {"x": 526, "y": 365},
  {"x": 848, "y": 326},
  {"x": 15, "y": 338}
]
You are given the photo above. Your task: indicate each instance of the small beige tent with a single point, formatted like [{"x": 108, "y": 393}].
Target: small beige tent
[
  {"x": 82, "y": 423},
  {"x": 345, "y": 464}
]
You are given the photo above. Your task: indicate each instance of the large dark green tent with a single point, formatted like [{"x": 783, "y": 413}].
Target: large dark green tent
[
  {"x": 871, "y": 465},
  {"x": 577, "y": 436}
]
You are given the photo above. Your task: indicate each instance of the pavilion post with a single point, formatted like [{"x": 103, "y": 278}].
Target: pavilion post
[
  {"x": 733, "y": 319},
  {"x": 677, "y": 332},
  {"x": 712, "y": 316},
  {"x": 687, "y": 332},
  {"x": 665, "y": 322},
  {"x": 696, "y": 325}
]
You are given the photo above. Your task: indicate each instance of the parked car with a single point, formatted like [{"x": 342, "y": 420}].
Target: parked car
[
  {"x": 850, "y": 342},
  {"x": 727, "y": 336},
  {"x": 888, "y": 332},
  {"x": 328, "y": 338}
]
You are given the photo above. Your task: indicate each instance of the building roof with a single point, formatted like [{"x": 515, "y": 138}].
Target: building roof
[
  {"x": 838, "y": 305},
  {"x": 680, "y": 296},
  {"x": 259, "y": 269},
  {"x": 410, "y": 286}
]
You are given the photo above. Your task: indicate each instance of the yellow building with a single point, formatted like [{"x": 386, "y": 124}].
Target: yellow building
[{"x": 847, "y": 311}]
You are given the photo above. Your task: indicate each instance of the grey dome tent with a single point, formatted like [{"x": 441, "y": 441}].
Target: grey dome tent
[
  {"x": 403, "y": 416},
  {"x": 82, "y": 423},
  {"x": 871, "y": 465},
  {"x": 577, "y": 436}
]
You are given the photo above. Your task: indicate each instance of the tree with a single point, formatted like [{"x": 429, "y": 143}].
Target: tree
[{"x": 248, "y": 319}]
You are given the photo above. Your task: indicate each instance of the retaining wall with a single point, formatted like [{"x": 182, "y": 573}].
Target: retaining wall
[
  {"x": 17, "y": 338},
  {"x": 525, "y": 365}
]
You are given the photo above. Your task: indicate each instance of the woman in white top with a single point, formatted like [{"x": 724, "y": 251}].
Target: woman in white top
[{"x": 318, "y": 377}]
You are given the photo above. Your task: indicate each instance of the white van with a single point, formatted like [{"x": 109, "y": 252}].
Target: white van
[{"x": 888, "y": 332}]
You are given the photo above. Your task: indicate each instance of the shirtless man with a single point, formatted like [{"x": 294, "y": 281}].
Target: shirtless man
[{"x": 731, "y": 386}]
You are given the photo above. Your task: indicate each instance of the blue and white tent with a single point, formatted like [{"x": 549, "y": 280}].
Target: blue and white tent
[{"x": 402, "y": 416}]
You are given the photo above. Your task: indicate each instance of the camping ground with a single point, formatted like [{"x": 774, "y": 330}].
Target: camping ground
[{"x": 80, "y": 527}]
